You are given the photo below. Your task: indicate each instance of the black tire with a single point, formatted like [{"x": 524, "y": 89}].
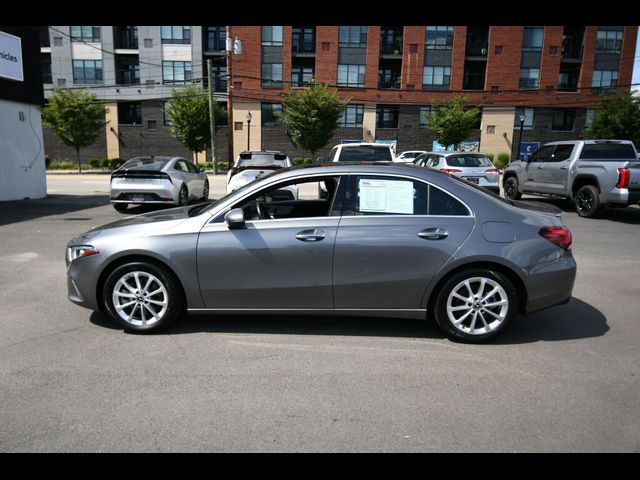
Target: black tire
[
  {"x": 205, "y": 195},
  {"x": 511, "y": 188},
  {"x": 483, "y": 320},
  {"x": 120, "y": 207},
  {"x": 587, "y": 201},
  {"x": 174, "y": 298},
  {"x": 183, "y": 196}
]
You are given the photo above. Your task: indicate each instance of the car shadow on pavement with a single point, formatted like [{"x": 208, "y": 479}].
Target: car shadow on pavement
[
  {"x": 24, "y": 210},
  {"x": 576, "y": 320}
]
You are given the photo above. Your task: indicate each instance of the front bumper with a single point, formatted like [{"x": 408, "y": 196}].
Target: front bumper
[{"x": 82, "y": 281}]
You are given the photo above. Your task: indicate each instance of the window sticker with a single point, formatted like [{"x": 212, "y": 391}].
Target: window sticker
[{"x": 385, "y": 196}]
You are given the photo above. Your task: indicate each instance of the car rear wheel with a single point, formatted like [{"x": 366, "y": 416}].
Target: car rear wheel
[
  {"x": 511, "y": 190},
  {"x": 183, "y": 196},
  {"x": 587, "y": 201},
  {"x": 142, "y": 297},
  {"x": 475, "y": 305},
  {"x": 120, "y": 207}
]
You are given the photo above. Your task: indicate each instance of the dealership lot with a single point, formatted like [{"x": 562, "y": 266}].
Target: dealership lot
[{"x": 563, "y": 379}]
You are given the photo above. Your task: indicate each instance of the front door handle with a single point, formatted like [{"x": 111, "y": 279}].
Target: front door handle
[
  {"x": 563, "y": 167},
  {"x": 539, "y": 166},
  {"x": 433, "y": 233},
  {"x": 312, "y": 235}
]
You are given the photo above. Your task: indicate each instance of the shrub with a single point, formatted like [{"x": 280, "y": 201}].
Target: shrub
[
  {"x": 308, "y": 160},
  {"x": 47, "y": 161},
  {"x": 503, "y": 160},
  {"x": 62, "y": 166},
  {"x": 94, "y": 162},
  {"x": 115, "y": 163},
  {"x": 222, "y": 166},
  {"x": 490, "y": 156},
  {"x": 298, "y": 160},
  {"x": 105, "y": 163}
]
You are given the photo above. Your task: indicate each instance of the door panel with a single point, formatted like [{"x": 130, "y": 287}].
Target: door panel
[
  {"x": 265, "y": 266},
  {"x": 558, "y": 169},
  {"x": 535, "y": 170}
]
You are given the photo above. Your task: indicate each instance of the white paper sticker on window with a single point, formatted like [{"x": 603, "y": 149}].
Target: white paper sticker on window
[{"x": 385, "y": 196}]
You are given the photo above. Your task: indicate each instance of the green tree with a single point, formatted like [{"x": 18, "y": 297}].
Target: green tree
[
  {"x": 453, "y": 122},
  {"x": 617, "y": 116},
  {"x": 189, "y": 112},
  {"x": 311, "y": 115},
  {"x": 76, "y": 117}
]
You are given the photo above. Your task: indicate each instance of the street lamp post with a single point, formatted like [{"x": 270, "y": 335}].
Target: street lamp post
[
  {"x": 522, "y": 119},
  {"x": 248, "y": 131}
]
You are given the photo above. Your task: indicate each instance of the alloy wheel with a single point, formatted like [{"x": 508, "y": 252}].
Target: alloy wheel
[
  {"x": 477, "y": 306},
  {"x": 584, "y": 201},
  {"x": 140, "y": 298}
]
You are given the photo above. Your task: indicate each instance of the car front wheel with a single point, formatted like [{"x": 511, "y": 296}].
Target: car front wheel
[
  {"x": 475, "y": 305},
  {"x": 142, "y": 297}
]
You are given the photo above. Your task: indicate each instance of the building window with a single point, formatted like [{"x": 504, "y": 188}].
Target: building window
[
  {"x": 528, "y": 118},
  {"x": 388, "y": 78},
  {"x": 604, "y": 79},
  {"x": 353, "y": 37},
  {"x": 271, "y": 74},
  {"x": 491, "y": 129},
  {"x": 219, "y": 78},
  {"x": 609, "y": 41},
  {"x": 391, "y": 40},
  {"x": 176, "y": 73},
  {"x": 152, "y": 124},
  {"x": 125, "y": 37},
  {"x": 46, "y": 68},
  {"x": 352, "y": 116},
  {"x": 44, "y": 36},
  {"x": 439, "y": 37},
  {"x": 589, "y": 120},
  {"x": 387, "y": 117},
  {"x": 216, "y": 39},
  {"x": 351, "y": 75},
  {"x": 87, "y": 72},
  {"x": 303, "y": 39},
  {"x": 268, "y": 114},
  {"x": 272, "y": 36},
  {"x": 425, "y": 113},
  {"x": 301, "y": 76},
  {"x": 85, "y": 34},
  {"x": 175, "y": 34},
  {"x": 529, "y": 78},
  {"x": 532, "y": 39},
  {"x": 127, "y": 70},
  {"x": 168, "y": 121},
  {"x": 563, "y": 120},
  {"x": 130, "y": 113},
  {"x": 436, "y": 76}
]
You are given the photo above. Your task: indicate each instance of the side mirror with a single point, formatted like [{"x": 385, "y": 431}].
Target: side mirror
[
  {"x": 321, "y": 160},
  {"x": 235, "y": 219},
  {"x": 201, "y": 169},
  {"x": 525, "y": 158}
]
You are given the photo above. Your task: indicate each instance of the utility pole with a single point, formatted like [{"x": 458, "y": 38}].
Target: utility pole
[
  {"x": 212, "y": 118},
  {"x": 229, "y": 49}
]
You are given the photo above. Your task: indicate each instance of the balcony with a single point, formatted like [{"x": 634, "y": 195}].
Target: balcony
[{"x": 391, "y": 39}]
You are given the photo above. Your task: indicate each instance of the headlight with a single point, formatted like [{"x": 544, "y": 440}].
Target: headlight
[{"x": 77, "y": 251}]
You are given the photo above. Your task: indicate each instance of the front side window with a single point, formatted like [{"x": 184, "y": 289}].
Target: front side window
[
  {"x": 604, "y": 79},
  {"x": 85, "y": 34},
  {"x": 609, "y": 41},
  {"x": 87, "y": 72},
  {"x": 351, "y": 75},
  {"x": 439, "y": 37},
  {"x": 354, "y": 37},
  {"x": 352, "y": 116},
  {"x": 543, "y": 154},
  {"x": 176, "y": 73},
  {"x": 180, "y": 34},
  {"x": 439, "y": 76}
]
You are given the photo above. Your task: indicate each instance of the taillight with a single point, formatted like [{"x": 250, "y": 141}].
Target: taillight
[
  {"x": 560, "y": 236},
  {"x": 623, "y": 177},
  {"x": 450, "y": 170},
  {"x": 491, "y": 170}
]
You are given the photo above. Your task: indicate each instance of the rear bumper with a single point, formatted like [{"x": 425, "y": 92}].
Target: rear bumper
[
  {"x": 551, "y": 284},
  {"x": 621, "y": 196},
  {"x": 156, "y": 191}
]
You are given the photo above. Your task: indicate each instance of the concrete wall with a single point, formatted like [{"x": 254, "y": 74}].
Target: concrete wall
[
  {"x": 22, "y": 169},
  {"x": 501, "y": 140}
]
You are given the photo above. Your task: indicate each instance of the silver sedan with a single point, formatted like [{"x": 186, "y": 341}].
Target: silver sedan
[
  {"x": 389, "y": 240},
  {"x": 157, "y": 180}
]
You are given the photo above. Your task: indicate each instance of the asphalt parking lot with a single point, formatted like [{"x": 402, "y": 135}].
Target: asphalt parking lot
[{"x": 565, "y": 379}]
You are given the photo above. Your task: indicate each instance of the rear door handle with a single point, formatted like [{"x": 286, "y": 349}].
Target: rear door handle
[
  {"x": 539, "y": 166},
  {"x": 312, "y": 235},
  {"x": 433, "y": 233}
]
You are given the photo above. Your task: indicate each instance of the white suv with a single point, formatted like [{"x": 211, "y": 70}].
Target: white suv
[{"x": 360, "y": 152}]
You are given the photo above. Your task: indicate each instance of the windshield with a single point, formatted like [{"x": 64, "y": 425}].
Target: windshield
[
  {"x": 264, "y": 160},
  {"x": 145, "y": 163},
  {"x": 365, "y": 153},
  {"x": 468, "y": 161}
]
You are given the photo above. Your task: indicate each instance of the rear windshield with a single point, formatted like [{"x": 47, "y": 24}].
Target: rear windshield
[
  {"x": 365, "y": 153},
  {"x": 608, "y": 151},
  {"x": 469, "y": 161},
  {"x": 141, "y": 163},
  {"x": 263, "y": 160}
]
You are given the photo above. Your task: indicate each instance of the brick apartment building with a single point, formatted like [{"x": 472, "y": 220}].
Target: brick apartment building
[{"x": 394, "y": 76}]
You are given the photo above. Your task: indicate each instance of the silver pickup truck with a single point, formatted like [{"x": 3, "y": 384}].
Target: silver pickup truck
[{"x": 592, "y": 173}]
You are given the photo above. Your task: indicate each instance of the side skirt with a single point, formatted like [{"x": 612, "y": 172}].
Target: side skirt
[{"x": 418, "y": 313}]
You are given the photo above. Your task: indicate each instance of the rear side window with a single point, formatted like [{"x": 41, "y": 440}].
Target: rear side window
[
  {"x": 608, "y": 151},
  {"x": 377, "y": 195},
  {"x": 365, "y": 153}
]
